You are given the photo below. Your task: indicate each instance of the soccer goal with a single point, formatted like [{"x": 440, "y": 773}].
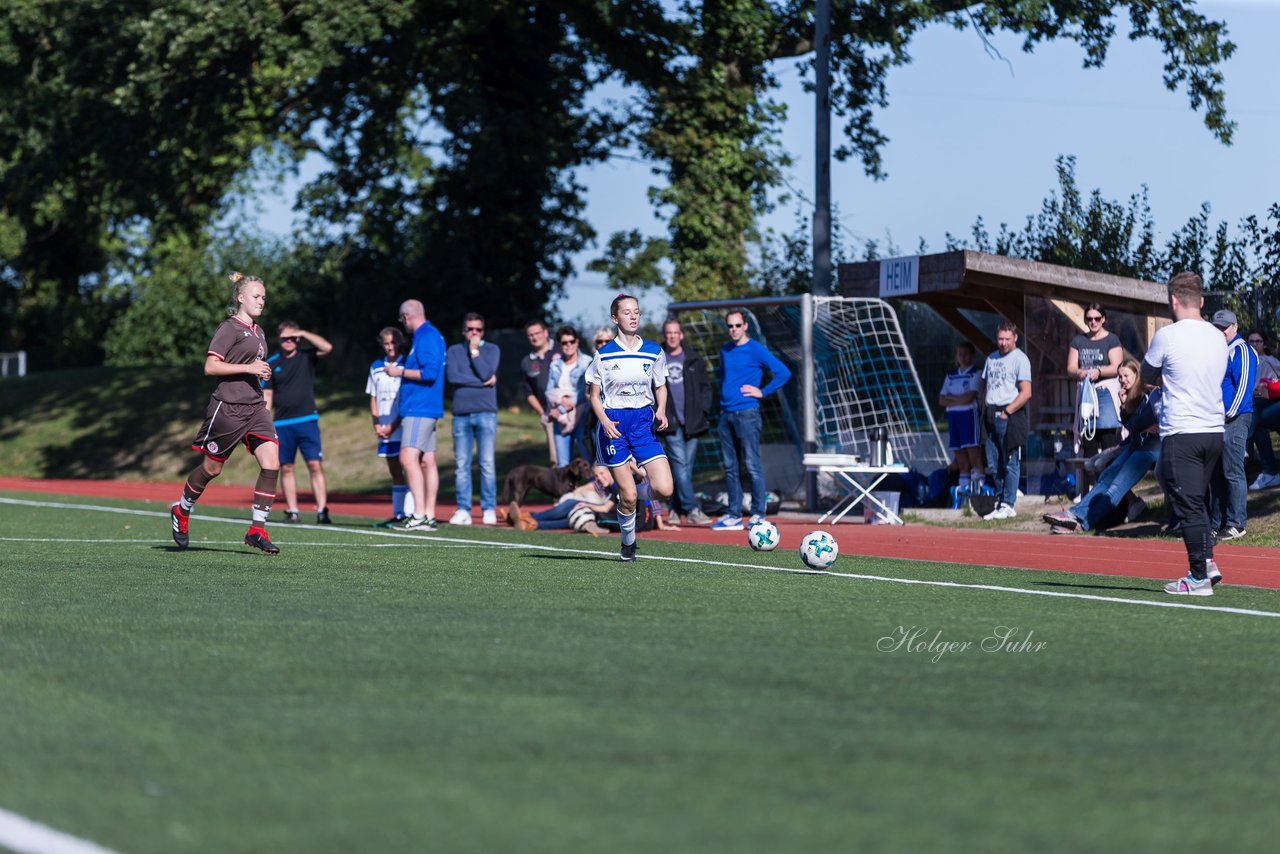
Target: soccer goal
[{"x": 853, "y": 381}]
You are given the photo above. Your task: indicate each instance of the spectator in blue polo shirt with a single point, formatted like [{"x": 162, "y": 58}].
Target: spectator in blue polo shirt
[
  {"x": 742, "y": 366},
  {"x": 421, "y": 406},
  {"x": 1228, "y": 510}
]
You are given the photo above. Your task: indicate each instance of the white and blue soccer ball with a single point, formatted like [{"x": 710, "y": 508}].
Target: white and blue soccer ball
[
  {"x": 818, "y": 550},
  {"x": 763, "y": 536}
]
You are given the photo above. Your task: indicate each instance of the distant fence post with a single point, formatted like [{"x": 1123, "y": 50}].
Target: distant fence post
[{"x": 13, "y": 364}]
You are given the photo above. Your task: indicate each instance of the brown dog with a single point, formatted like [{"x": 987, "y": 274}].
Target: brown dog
[{"x": 551, "y": 481}]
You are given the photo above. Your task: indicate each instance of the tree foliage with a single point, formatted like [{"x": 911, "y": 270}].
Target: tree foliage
[
  {"x": 452, "y": 130},
  {"x": 1240, "y": 266}
]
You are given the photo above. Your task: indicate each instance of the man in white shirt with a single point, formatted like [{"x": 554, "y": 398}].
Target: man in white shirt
[{"x": 1189, "y": 358}]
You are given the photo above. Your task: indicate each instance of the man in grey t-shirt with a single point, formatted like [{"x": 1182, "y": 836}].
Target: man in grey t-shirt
[{"x": 1006, "y": 378}]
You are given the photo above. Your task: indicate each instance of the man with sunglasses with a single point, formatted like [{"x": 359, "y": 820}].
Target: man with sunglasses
[
  {"x": 290, "y": 394},
  {"x": 742, "y": 366},
  {"x": 472, "y": 369}
]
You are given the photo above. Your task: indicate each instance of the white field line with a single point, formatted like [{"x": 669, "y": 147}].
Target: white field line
[
  {"x": 155, "y": 541},
  {"x": 24, "y": 836},
  {"x": 429, "y": 539}
]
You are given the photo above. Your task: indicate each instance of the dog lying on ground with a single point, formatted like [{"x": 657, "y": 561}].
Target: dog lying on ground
[{"x": 553, "y": 482}]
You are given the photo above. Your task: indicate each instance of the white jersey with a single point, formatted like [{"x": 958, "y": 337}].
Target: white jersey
[
  {"x": 626, "y": 377},
  {"x": 385, "y": 389},
  {"x": 960, "y": 382},
  {"x": 1192, "y": 358}
]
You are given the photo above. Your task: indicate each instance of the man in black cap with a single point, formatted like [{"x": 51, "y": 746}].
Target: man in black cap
[{"x": 1228, "y": 511}]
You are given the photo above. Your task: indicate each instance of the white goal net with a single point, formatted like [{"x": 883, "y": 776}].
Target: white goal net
[{"x": 865, "y": 383}]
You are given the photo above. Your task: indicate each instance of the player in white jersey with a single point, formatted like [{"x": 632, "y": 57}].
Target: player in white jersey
[
  {"x": 626, "y": 381},
  {"x": 960, "y": 396},
  {"x": 384, "y": 407}
]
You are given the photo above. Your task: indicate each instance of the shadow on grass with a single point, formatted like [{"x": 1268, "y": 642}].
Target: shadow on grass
[
  {"x": 175, "y": 550},
  {"x": 1084, "y": 586}
]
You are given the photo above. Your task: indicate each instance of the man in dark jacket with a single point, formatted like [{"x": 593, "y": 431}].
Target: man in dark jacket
[{"x": 688, "y": 417}]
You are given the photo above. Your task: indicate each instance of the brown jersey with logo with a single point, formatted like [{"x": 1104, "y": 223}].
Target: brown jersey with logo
[{"x": 238, "y": 343}]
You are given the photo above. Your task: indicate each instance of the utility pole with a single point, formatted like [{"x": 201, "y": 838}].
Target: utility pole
[
  {"x": 822, "y": 152},
  {"x": 821, "y": 229}
]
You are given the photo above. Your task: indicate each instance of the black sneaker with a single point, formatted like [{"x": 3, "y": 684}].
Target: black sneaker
[
  {"x": 180, "y": 521},
  {"x": 390, "y": 523},
  {"x": 292, "y": 517},
  {"x": 1231, "y": 533},
  {"x": 257, "y": 537},
  {"x": 322, "y": 517},
  {"x": 629, "y": 551}
]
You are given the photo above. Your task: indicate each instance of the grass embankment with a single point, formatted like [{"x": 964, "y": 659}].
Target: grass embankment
[{"x": 138, "y": 424}]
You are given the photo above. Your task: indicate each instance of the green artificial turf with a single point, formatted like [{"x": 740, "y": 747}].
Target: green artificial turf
[{"x": 487, "y": 690}]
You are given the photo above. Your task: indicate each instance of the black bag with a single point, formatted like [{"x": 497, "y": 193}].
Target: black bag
[{"x": 982, "y": 504}]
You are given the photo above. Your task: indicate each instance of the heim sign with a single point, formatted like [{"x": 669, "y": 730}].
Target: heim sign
[{"x": 900, "y": 276}]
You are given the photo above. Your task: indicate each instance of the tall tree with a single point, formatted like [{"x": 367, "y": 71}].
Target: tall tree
[{"x": 711, "y": 123}]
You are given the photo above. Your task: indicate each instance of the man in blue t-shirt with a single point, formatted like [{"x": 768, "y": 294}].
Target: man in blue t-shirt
[
  {"x": 421, "y": 406},
  {"x": 742, "y": 366},
  {"x": 290, "y": 394}
]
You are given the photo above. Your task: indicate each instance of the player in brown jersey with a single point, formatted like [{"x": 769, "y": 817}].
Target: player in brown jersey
[{"x": 236, "y": 413}]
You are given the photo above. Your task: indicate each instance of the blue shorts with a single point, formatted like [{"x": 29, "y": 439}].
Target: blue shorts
[
  {"x": 962, "y": 429},
  {"x": 303, "y": 436},
  {"x": 637, "y": 441},
  {"x": 388, "y": 449}
]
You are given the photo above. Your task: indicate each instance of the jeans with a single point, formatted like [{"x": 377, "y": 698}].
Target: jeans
[
  {"x": 555, "y": 518},
  {"x": 1117, "y": 479},
  {"x": 564, "y": 441},
  {"x": 740, "y": 431},
  {"x": 1007, "y": 464},
  {"x": 1264, "y": 421},
  {"x": 681, "y": 452},
  {"x": 1230, "y": 486},
  {"x": 482, "y": 429},
  {"x": 1188, "y": 461}
]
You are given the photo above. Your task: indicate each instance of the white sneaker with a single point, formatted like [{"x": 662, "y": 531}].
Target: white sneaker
[
  {"x": 461, "y": 517},
  {"x": 1002, "y": 511},
  {"x": 1188, "y": 586},
  {"x": 490, "y": 517}
]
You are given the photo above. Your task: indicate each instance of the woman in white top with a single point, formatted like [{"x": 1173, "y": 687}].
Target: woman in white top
[{"x": 567, "y": 393}]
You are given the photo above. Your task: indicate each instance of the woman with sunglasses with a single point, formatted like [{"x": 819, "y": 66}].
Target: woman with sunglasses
[
  {"x": 1096, "y": 355},
  {"x": 566, "y": 392}
]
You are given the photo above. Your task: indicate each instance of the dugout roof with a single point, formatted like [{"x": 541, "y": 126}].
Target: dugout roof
[
  {"x": 1045, "y": 301},
  {"x": 950, "y": 281}
]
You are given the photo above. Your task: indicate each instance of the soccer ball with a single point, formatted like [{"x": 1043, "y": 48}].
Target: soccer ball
[
  {"x": 818, "y": 550},
  {"x": 763, "y": 536}
]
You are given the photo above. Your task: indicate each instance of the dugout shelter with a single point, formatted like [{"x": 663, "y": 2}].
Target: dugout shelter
[{"x": 1045, "y": 301}]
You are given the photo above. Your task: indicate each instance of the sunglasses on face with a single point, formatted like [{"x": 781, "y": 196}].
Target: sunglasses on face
[
  {"x": 1093, "y": 318},
  {"x": 475, "y": 329},
  {"x": 601, "y": 342},
  {"x": 293, "y": 338},
  {"x": 736, "y": 325},
  {"x": 567, "y": 341}
]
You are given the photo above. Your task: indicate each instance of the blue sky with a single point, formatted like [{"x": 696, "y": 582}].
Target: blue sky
[{"x": 970, "y": 134}]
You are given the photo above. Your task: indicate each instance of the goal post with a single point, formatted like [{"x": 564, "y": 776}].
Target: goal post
[{"x": 853, "y": 380}]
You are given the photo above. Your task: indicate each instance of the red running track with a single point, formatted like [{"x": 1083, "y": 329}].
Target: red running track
[{"x": 1121, "y": 556}]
